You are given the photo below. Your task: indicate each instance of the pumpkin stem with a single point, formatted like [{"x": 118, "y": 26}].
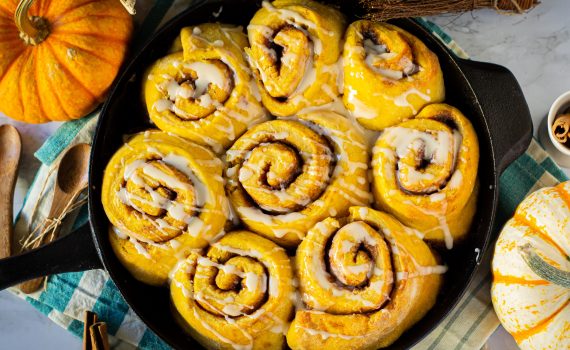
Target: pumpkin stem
[
  {"x": 542, "y": 268},
  {"x": 33, "y": 29}
]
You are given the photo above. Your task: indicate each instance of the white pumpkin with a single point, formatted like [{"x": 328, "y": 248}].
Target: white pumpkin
[{"x": 531, "y": 271}]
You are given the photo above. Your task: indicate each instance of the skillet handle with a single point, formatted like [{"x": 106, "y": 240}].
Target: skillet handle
[
  {"x": 502, "y": 101},
  {"x": 74, "y": 252}
]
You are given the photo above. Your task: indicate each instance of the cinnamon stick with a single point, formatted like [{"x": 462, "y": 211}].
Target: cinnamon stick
[
  {"x": 561, "y": 128},
  {"x": 89, "y": 320},
  {"x": 99, "y": 338}
]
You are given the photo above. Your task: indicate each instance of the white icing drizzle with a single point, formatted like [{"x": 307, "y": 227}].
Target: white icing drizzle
[
  {"x": 120, "y": 233},
  {"x": 456, "y": 180},
  {"x": 266, "y": 31},
  {"x": 356, "y": 195},
  {"x": 309, "y": 29},
  {"x": 378, "y": 52},
  {"x": 402, "y": 100},
  {"x": 352, "y": 199},
  {"x": 422, "y": 271},
  {"x": 233, "y": 29},
  {"x": 336, "y": 106},
  {"x": 124, "y": 233},
  {"x": 436, "y": 146},
  {"x": 323, "y": 278},
  {"x": 242, "y": 252},
  {"x": 372, "y": 48},
  {"x": 227, "y": 268},
  {"x": 217, "y": 14},
  {"x": 230, "y": 308},
  {"x": 297, "y": 20},
  {"x": 140, "y": 249},
  {"x": 175, "y": 90},
  {"x": 437, "y": 197},
  {"x": 273, "y": 286},
  {"x": 280, "y": 233},
  {"x": 163, "y": 105},
  {"x": 359, "y": 108},
  {"x": 389, "y": 73},
  {"x": 477, "y": 252},
  {"x": 207, "y": 73},
  {"x": 448, "y": 237},
  {"x": 220, "y": 336},
  {"x": 201, "y": 298},
  {"x": 178, "y": 211},
  {"x": 293, "y": 17},
  {"x": 309, "y": 77},
  {"x": 360, "y": 235},
  {"x": 187, "y": 293},
  {"x": 259, "y": 216},
  {"x": 325, "y": 335},
  {"x": 442, "y": 220}
]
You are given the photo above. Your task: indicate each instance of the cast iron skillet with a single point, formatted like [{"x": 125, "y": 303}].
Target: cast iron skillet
[{"x": 488, "y": 94}]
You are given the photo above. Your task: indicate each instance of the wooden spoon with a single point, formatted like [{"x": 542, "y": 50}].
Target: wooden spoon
[
  {"x": 72, "y": 175},
  {"x": 10, "y": 150}
]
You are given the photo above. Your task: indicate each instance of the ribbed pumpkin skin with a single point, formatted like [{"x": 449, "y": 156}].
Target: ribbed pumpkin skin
[
  {"x": 67, "y": 75},
  {"x": 535, "y": 311}
]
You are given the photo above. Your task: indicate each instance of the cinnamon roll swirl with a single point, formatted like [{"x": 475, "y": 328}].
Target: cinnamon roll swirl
[
  {"x": 286, "y": 175},
  {"x": 389, "y": 74},
  {"x": 237, "y": 295},
  {"x": 164, "y": 196},
  {"x": 364, "y": 280},
  {"x": 206, "y": 92},
  {"x": 425, "y": 173},
  {"x": 294, "y": 49}
]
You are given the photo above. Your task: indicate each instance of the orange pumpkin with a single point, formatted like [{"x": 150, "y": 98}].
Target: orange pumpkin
[{"x": 59, "y": 57}]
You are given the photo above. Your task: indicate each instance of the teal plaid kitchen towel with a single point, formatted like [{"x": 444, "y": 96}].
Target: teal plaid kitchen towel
[{"x": 68, "y": 295}]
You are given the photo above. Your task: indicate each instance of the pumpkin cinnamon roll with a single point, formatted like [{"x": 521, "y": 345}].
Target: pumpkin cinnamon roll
[
  {"x": 389, "y": 74},
  {"x": 206, "y": 92},
  {"x": 425, "y": 173},
  {"x": 364, "y": 280},
  {"x": 164, "y": 196},
  {"x": 237, "y": 295},
  {"x": 286, "y": 175},
  {"x": 294, "y": 49}
]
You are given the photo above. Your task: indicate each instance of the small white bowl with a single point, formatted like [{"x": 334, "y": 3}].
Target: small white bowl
[{"x": 560, "y": 153}]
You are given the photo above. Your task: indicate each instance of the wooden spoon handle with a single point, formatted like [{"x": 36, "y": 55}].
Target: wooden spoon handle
[
  {"x": 71, "y": 180},
  {"x": 9, "y": 161},
  {"x": 6, "y": 216},
  {"x": 60, "y": 201}
]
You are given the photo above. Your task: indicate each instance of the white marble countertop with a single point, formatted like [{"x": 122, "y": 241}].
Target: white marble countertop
[{"x": 534, "y": 46}]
